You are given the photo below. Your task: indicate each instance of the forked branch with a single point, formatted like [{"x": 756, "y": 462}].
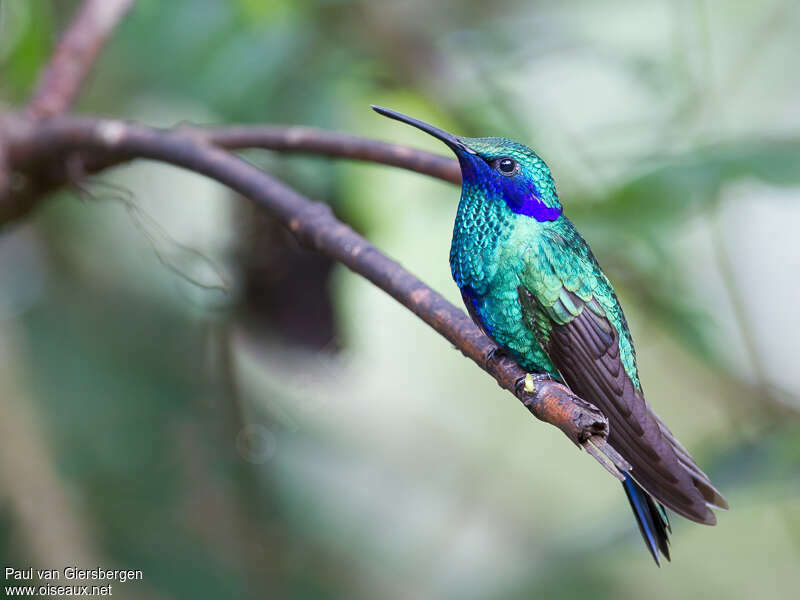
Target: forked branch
[
  {"x": 74, "y": 56},
  {"x": 315, "y": 226},
  {"x": 40, "y": 149}
]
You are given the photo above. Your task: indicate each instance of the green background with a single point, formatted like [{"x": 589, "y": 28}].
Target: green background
[{"x": 185, "y": 392}]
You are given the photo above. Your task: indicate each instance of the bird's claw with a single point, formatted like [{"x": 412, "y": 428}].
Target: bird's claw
[{"x": 493, "y": 355}]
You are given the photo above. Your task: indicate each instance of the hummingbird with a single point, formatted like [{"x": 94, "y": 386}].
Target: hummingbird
[{"x": 532, "y": 284}]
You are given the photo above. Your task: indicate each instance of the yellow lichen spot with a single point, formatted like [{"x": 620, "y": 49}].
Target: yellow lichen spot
[{"x": 530, "y": 384}]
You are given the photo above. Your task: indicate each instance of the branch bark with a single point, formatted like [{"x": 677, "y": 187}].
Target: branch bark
[
  {"x": 27, "y": 182},
  {"x": 41, "y": 151},
  {"x": 315, "y": 226},
  {"x": 308, "y": 140},
  {"x": 74, "y": 56}
]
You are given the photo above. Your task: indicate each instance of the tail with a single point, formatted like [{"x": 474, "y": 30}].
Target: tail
[{"x": 651, "y": 517}]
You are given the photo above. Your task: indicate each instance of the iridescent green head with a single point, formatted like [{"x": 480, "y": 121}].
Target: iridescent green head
[{"x": 498, "y": 168}]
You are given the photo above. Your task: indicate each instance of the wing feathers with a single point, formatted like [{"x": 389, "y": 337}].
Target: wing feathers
[{"x": 585, "y": 348}]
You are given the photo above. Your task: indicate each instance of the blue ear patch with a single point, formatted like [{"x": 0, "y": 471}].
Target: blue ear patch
[
  {"x": 530, "y": 206},
  {"x": 523, "y": 198}
]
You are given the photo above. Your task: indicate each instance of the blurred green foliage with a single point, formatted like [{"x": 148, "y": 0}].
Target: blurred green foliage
[{"x": 154, "y": 416}]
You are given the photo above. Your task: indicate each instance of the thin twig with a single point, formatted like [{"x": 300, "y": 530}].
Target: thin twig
[
  {"x": 309, "y": 140},
  {"x": 315, "y": 226},
  {"x": 74, "y": 56}
]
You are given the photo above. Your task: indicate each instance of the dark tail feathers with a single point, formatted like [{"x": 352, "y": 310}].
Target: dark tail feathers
[{"x": 651, "y": 517}]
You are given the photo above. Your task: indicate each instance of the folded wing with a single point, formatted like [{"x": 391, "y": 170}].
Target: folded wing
[{"x": 584, "y": 345}]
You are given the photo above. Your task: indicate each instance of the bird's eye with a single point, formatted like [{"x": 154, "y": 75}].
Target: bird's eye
[{"x": 507, "y": 166}]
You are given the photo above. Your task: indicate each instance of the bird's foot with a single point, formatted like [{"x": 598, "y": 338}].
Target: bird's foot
[
  {"x": 494, "y": 355},
  {"x": 583, "y": 423}
]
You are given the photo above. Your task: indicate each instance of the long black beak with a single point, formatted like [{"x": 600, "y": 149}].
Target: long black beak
[{"x": 448, "y": 138}]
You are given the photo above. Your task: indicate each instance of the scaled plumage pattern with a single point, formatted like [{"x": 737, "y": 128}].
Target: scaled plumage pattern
[{"x": 530, "y": 281}]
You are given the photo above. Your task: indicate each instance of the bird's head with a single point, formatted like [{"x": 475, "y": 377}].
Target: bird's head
[{"x": 498, "y": 169}]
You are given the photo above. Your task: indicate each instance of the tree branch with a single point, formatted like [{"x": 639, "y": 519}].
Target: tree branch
[
  {"x": 74, "y": 56},
  {"x": 314, "y": 225},
  {"x": 30, "y": 182},
  {"x": 309, "y": 140}
]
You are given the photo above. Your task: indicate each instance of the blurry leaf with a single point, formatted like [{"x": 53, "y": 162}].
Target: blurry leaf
[
  {"x": 667, "y": 194},
  {"x": 28, "y": 28},
  {"x": 261, "y": 11}
]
